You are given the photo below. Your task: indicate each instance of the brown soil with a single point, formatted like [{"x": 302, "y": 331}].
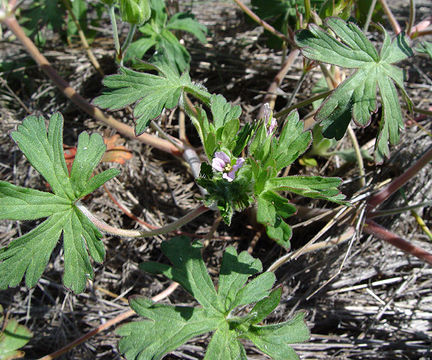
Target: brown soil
[{"x": 365, "y": 299}]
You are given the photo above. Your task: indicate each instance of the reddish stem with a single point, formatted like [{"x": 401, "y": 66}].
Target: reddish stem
[
  {"x": 397, "y": 183},
  {"x": 394, "y": 23},
  {"x": 78, "y": 100},
  {"x": 371, "y": 227}
]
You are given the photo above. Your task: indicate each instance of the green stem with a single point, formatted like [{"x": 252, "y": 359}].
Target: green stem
[
  {"x": 307, "y": 5},
  {"x": 115, "y": 31},
  {"x": 301, "y": 104},
  {"x": 127, "y": 42},
  {"x": 369, "y": 16},
  {"x": 101, "y": 225},
  {"x": 411, "y": 17}
]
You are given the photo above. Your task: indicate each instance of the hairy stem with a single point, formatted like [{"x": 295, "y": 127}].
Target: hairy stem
[
  {"x": 127, "y": 42},
  {"x": 301, "y": 104},
  {"x": 113, "y": 20},
  {"x": 103, "y": 226},
  {"x": 369, "y": 15}
]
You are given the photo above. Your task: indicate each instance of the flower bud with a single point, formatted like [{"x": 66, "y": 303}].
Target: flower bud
[{"x": 135, "y": 12}]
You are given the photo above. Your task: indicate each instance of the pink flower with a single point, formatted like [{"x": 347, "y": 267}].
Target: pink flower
[{"x": 222, "y": 163}]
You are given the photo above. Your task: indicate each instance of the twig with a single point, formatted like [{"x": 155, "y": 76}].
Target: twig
[
  {"x": 264, "y": 24},
  {"x": 372, "y": 228},
  {"x": 83, "y": 38},
  {"x": 397, "y": 183},
  {"x": 394, "y": 23},
  {"x": 103, "y": 226},
  {"x": 162, "y": 295},
  {"x": 77, "y": 99}
]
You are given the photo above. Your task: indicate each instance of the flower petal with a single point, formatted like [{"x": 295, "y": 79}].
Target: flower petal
[
  {"x": 218, "y": 164},
  {"x": 229, "y": 176},
  {"x": 221, "y": 155},
  {"x": 239, "y": 163}
]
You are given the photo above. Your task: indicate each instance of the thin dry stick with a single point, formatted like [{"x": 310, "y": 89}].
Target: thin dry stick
[
  {"x": 162, "y": 295},
  {"x": 271, "y": 92},
  {"x": 294, "y": 255},
  {"x": 83, "y": 39},
  {"x": 394, "y": 23},
  {"x": 77, "y": 99},
  {"x": 264, "y": 24}
]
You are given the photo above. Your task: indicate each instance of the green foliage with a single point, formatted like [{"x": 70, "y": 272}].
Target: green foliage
[
  {"x": 356, "y": 96},
  {"x": 12, "y": 337},
  {"x": 281, "y": 14},
  {"x": 269, "y": 155},
  {"x": 425, "y": 47},
  {"x": 150, "y": 93},
  {"x": 29, "y": 254},
  {"x": 158, "y": 34},
  {"x": 169, "y": 326},
  {"x": 43, "y": 15},
  {"x": 135, "y": 12}
]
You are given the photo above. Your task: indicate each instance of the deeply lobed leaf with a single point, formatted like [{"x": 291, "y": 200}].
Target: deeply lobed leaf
[
  {"x": 29, "y": 254},
  {"x": 149, "y": 93},
  {"x": 356, "y": 96},
  {"x": 170, "y": 326}
]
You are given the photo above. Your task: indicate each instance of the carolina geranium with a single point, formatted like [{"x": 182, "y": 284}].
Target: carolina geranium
[
  {"x": 269, "y": 120},
  {"x": 222, "y": 163}
]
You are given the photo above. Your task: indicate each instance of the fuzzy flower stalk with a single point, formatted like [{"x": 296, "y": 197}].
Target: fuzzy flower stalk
[
  {"x": 222, "y": 163},
  {"x": 269, "y": 120}
]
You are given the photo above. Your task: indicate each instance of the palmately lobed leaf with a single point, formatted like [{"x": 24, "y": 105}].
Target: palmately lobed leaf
[
  {"x": 355, "y": 98},
  {"x": 29, "y": 254},
  {"x": 168, "y": 326},
  {"x": 148, "y": 93}
]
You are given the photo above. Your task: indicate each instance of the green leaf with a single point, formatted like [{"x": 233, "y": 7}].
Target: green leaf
[
  {"x": 28, "y": 255},
  {"x": 188, "y": 270},
  {"x": 271, "y": 210},
  {"x": 170, "y": 326},
  {"x": 225, "y": 346},
  {"x": 274, "y": 340},
  {"x": 425, "y": 47},
  {"x": 356, "y": 96},
  {"x": 264, "y": 308},
  {"x": 234, "y": 272},
  {"x": 187, "y": 22},
  {"x": 315, "y": 187},
  {"x": 151, "y": 93},
  {"x": 293, "y": 141},
  {"x": 158, "y": 33},
  {"x": 12, "y": 337}
]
